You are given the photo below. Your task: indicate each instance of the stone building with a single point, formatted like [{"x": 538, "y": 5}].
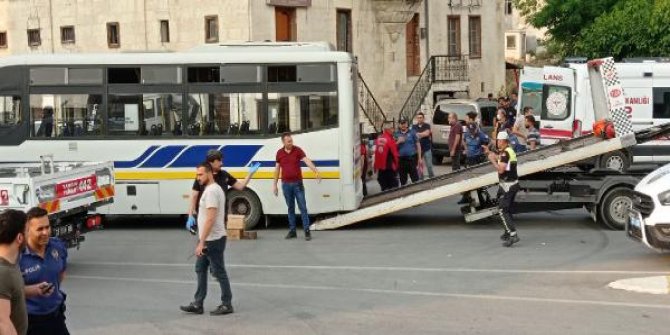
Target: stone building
[{"x": 392, "y": 39}]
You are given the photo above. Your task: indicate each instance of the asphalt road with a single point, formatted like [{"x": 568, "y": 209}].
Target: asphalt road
[{"x": 422, "y": 271}]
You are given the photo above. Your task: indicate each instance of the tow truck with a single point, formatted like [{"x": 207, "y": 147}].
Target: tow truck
[
  {"x": 68, "y": 191},
  {"x": 606, "y": 103}
]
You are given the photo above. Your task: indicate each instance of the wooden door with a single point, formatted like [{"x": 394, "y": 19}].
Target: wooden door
[
  {"x": 413, "y": 50},
  {"x": 285, "y": 24}
]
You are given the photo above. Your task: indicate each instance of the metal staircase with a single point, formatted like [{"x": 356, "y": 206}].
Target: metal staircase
[
  {"x": 439, "y": 69},
  {"x": 369, "y": 105}
]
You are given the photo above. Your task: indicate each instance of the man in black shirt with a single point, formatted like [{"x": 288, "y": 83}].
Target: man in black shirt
[
  {"x": 505, "y": 163},
  {"x": 423, "y": 130},
  {"x": 221, "y": 177}
]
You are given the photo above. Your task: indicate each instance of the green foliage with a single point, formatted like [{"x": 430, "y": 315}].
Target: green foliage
[
  {"x": 597, "y": 28},
  {"x": 634, "y": 28},
  {"x": 564, "y": 19}
]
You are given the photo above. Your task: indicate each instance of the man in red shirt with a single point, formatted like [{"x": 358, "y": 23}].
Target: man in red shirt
[{"x": 288, "y": 164}]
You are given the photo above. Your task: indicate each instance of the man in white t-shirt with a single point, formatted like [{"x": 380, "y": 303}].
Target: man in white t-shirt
[{"x": 211, "y": 244}]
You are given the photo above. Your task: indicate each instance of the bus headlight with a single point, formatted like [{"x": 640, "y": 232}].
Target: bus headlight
[{"x": 664, "y": 198}]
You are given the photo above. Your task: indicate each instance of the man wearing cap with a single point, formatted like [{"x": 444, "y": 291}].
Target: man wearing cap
[
  {"x": 505, "y": 163},
  {"x": 409, "y": 150},
  {"x": 221, "y": 177}
]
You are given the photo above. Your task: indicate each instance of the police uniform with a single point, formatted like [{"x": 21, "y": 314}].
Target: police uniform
[
  {"x": 509, "y": 186},
  {"x": 46, "y": 315}
]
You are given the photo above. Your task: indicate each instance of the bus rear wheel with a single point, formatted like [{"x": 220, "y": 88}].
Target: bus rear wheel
[{"x": 245, "y": 203}]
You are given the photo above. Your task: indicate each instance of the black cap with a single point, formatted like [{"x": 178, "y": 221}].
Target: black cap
[{"x": 214, "y": 154}]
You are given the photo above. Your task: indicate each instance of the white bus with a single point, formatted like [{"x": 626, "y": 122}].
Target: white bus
[{"x": 155, "y": 115}]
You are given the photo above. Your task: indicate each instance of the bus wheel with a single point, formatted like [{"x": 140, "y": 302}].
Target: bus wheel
[
  {"x": 617, "y": 160},
  {"x": 245, "y": 203},
  {"x": 613, "y": 207}
]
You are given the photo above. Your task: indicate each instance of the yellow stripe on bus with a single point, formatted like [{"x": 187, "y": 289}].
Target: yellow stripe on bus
[{"x": 177, "y": 175}]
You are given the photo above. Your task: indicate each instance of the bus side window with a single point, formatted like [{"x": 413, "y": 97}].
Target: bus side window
[
  {"x": 65, "y": 115},
  {"x": 10, "y": 111},
  {"x": 223, "y": 114}
]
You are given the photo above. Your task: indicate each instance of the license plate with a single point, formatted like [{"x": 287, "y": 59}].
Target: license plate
[
  {"x": 76, "y": 186},
  {"x": 445, "y": 136}
]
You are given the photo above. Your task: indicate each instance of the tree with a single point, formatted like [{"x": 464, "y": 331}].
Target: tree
[
  {"x": 633, "y": 28},
  {"x": 564, "y": 19}
]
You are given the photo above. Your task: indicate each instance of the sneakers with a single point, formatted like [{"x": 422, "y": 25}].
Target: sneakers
[
  {"x": 511, "y": 240},
  {"x": 504, "y": 236},
  {"x": 292, "y": 234},
  {"x": 192, "y": 308},
  {"x": 222, "y": 310}
]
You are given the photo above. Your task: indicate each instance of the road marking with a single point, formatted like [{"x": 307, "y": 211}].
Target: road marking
[
  {"x": 380, "y": 268},
  {"x": 652, "y": 285},
  {"x": 383, "y": 291}
]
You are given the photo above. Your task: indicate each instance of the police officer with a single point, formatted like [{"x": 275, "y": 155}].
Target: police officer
[
  {"x": 43, "y": 264},
  {"x": 221, "y": 177},
  {"x": 505, "y": 163}
]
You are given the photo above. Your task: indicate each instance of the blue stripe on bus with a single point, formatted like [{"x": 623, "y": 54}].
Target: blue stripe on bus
[
  {"x": 134, "y": 163},
  {"x": 193, "y": 156},
  {"x": 163, "y": 156},
  {"x": 234, "y": 156},
  {"x": 239, "y": 155}
]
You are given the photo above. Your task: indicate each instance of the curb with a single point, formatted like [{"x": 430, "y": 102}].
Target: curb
[{"x": 651, "y": 285}]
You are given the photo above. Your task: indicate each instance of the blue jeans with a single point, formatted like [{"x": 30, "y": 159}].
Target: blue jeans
[
  {"x": 428, "y": 162},
  {"x": 213, "y": 260},
  {"x": 295, "y": 192}
]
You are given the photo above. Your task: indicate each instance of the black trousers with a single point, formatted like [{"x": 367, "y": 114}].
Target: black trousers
[
  {"x": 387, "y": 179},
  {"x": 505, "y": 203},
  {"x": 408, "y": 166},
  {"x": 456, "y": 160},
  {"x": 52, "y": 324}
]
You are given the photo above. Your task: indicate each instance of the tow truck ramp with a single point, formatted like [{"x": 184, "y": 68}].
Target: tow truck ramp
[{"x": 608, "y": 100}]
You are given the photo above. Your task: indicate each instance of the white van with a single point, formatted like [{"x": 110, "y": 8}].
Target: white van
[
  {"x": 560, "y": 95},
  {"x": 649, "y": 219},
  {"x": 440, "y": 128}
]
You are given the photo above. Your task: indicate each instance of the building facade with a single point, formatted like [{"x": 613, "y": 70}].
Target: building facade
[{"x": 392, "y": 39}]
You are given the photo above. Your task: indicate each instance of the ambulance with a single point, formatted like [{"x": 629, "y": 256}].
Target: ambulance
[{"x": 561, "y": 96}]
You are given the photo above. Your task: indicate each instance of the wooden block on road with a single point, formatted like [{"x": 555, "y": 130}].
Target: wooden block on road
[
  {"x": 250, "y": 235},
  {"x": 235, "y": 222},
  {"x": 235, "y": 234}
]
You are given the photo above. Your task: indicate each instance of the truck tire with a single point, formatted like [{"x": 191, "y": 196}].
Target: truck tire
[
  {"x": 245, "y": 203},
  {"x": 437, "y": 159},
  {"x": 613, "y": 207},
  {"x": 617, "y": 160}
]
